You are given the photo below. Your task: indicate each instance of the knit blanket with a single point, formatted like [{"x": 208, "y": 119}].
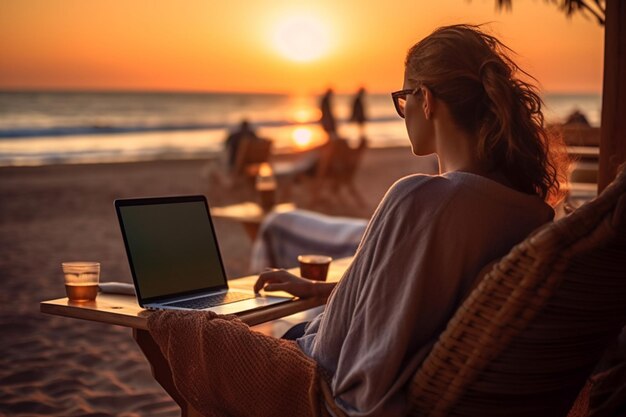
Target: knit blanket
[
  {"x": 222, "y": 368},
  {"x": 284, "y": 236}
]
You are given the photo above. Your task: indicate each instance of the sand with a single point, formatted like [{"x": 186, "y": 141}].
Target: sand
[{"x": 59, "y": 366}]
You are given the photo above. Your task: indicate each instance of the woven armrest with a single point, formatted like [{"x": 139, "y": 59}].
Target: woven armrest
[{"x": 525, "y": 340}]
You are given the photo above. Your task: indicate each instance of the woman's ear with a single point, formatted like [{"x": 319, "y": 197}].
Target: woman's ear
[{"x": 428, "y": 104}]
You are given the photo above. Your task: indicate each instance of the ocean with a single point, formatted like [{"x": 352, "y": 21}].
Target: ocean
[{"x": 40, "y": 128}]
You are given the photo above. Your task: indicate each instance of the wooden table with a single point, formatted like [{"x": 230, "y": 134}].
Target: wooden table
[
  {"x": 249, "y": 214},
  {"x": 123, "y": 310}
]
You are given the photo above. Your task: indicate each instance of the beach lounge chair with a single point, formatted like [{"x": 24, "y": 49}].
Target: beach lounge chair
[
  {"x": 336, "y": 169},
  {"x": 584, "y": 166},
  {"x": 577, "y": 135},
  {"x": 327, "y": 169},
  {"x": 285, "y": 235},
  {"x": 523, "y": 342},
  {"x": 251, "y": 153}
]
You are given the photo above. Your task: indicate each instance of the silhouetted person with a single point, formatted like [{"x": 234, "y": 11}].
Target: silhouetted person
[
  {"x": 328, "y": 121},
  {"x": 358, "y": 111},
  {"x": 577, "y": 118},
  {"x": 234, "y": 140}
]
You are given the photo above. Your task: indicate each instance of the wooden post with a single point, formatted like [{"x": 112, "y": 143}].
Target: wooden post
[{"x": 613, "y": 134}]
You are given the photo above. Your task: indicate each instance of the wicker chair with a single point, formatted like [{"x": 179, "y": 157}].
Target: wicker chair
[
  {"x": 523, "y": 343},
  {"x": 527, "y": 338}
]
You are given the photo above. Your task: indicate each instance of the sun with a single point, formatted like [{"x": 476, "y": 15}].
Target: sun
[
  {"x": 301, "y": 38},
  {"x": 302, "y": 137}
]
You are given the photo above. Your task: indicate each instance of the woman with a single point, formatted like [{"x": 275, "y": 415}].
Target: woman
[{"x": 431, "y": 235}]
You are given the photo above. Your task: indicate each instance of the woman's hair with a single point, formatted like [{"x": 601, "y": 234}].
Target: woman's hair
[{"x": 471, "y": 72}]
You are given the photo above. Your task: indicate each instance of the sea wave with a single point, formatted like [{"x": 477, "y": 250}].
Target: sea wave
[
  {"x": 120, "y": 129},
  {"x": 39, "y": 128}
]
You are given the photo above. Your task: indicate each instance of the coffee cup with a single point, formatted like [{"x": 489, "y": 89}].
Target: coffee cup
[{"x": 314, "y": 267}]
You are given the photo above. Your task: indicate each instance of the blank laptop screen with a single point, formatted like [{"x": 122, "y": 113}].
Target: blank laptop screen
[{"x": 172, "y": 248}]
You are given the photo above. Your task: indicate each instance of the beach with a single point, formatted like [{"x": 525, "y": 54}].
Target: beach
[
  {"x": 50, "y": 214},
  {"x": 102, "y": 101}
]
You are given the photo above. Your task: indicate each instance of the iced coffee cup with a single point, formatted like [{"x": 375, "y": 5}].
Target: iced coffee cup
[
  {"x": 314, "y": 266},
  {"x": 81, "y": 280}
]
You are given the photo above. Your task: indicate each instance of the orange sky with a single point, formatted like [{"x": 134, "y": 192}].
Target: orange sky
[{"x": 218, "y": 45}]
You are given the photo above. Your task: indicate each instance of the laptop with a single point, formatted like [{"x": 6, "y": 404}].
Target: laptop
[{"x": 175, "y": 260}]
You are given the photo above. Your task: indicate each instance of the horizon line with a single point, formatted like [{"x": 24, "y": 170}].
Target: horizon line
[{"x": 88, "y": 90}]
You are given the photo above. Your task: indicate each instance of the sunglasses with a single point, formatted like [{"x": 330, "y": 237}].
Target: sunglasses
[{"x": 399, "y": 99}]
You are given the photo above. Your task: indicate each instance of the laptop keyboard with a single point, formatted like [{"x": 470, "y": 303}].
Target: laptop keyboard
[{"x": 213, "y": 300}]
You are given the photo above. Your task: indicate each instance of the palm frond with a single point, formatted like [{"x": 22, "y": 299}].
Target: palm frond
[
  {"x": 505, "y": 4},
  {"x": 594, "y": 8}
]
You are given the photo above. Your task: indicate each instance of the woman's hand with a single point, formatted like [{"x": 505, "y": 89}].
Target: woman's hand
[{"x": 281, "y": 280}]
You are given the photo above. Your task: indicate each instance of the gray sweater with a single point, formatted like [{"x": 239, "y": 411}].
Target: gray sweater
[{"x": 422, "y": 250}]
